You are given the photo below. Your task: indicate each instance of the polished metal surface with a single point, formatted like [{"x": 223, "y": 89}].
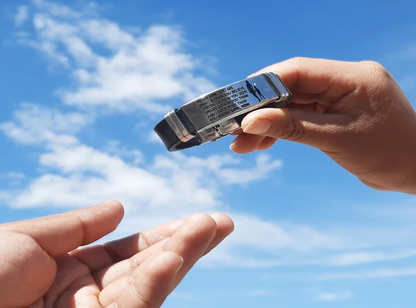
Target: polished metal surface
[
  {"x": 213, "y": 114},
  {"x": 177, "y": 126}
]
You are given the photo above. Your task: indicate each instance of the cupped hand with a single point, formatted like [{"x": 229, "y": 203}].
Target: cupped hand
[
  {"x": 355, "y": 112},
  {"x": 40, "y": 265}
]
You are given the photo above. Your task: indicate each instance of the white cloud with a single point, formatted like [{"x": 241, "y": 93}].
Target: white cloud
[
  {"x": 164, "y": 188},
  {"x": 77, "y": 174},
  {"x": 263, "y": 166},
  {"x": 22, "y": 14},
  {"x": 90, "y": 175},
  {"x": 154, "y": 138},
  {"x": 34, "y": 124},
  {"x": 272, "y": 236},
  {"x": 13, "y": 175},
  {"x": 331, "y": 297},
  {"x": 167, "y": 187},
  {"x": 115, "y": 148},
  {"x": 13, "y": 178},
  {"x": 361, "y": 274},
  {"x": 58, "y": 10},
  {"x": 362, "y": 257},
  {"x": 405, "y": 213},
  {"x": 367, "y": 274},
  {"x": 279, "y": 244},
  {"x": 126, "y": 69},
  {"x": 139, "y": 69},
  {"x": 217, "y": 164}
]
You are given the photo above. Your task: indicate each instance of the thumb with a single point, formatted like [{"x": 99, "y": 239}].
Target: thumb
[
  {"x": 61, "y": 233},
  {"x": 314, "y": 129}
]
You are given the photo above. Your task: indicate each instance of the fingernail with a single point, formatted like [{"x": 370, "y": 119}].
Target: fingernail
[{"x": 258, "y": 126}]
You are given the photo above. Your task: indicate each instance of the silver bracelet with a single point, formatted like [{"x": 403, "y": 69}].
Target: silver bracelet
[{"x": 220, "y": 112}]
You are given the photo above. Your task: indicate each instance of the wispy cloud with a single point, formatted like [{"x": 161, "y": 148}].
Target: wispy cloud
[
  {"x": 13, "y": 175},
  {"x": 361, "y": 274},
  {"x": 138, "y": 69},
  {"x": 332, "y": 297},
  {"x": 123, "y": 69},
  {"x": 75, "y": 174},
  {"x": 367, "y": 274},
  {"x": 363, "y": 257},
  {"x": 35, "y": 124},
  {"x": 22, "y": 14},
  {"x": 171, "y": 186},
  {"x": 13, "y": 178},
  {"x": 78, "y": 174}
]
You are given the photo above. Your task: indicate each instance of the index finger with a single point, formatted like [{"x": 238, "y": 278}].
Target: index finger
[{"x": 61, "y": 233}]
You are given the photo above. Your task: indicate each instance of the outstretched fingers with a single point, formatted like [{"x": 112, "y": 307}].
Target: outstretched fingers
[
  {"x": 147, "y": 285},
  {"x": 59, "y": 234},
  {"x": 98, "y": 258}
]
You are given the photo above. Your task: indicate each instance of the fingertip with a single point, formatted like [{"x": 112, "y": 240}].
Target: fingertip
[
  {"x": 198, "y": 227},
  {"x": 203, "y": 219},
  {"x": 112, "y": 203},
  {"x": 240, "y": 150},
  {"x": 246, "y": 143},
  {"x": 224, "y": 222},
  {"x": 268, "y": 114},
  {"x": 225, "y": 226},
  {"x": 248, "y": 118},
  {"x": 117, "y": 207},
  {"x": 192, "y": 238},
  {"x": 235, "y": 147},
  {"x": 100, "y": 219},
  {"x": 219, "y": 217}
]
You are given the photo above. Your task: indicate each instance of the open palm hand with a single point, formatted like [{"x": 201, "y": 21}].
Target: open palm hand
[{"x": 42, "y": 267}]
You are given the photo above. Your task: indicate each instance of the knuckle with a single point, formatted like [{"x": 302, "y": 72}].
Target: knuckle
[
  {"x": 378, "y": 78},
  {"x": 298, "y": 61},
  {"x": 144, "y": 241},
  {"x": 376, "y": 68},
  {"x": 133, "y": 263},
  {"x": 371, "y": 63}
]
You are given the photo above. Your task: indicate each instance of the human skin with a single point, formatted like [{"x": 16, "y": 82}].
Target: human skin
[
  {"x": 42, "y": 266},
  {"x": 355, "y": 112}
]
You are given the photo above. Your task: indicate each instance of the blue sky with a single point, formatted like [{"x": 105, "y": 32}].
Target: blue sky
[{"x": 84, "y": 83}]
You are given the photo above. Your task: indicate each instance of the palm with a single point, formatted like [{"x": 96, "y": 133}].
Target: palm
[
  {"x": 74, "y": 280},
  {"x": 138, "y": 271}
]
